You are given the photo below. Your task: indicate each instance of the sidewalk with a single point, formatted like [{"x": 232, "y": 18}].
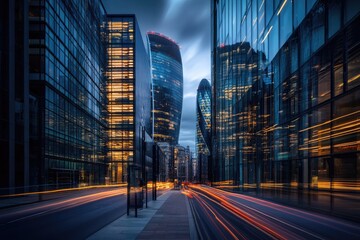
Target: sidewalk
[{"x": 169, "y": 217}]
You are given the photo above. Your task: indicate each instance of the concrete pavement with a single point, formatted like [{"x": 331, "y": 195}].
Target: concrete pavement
[{"x": 169, "y": 217}]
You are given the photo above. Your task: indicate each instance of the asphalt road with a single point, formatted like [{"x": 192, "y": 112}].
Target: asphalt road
[
  {"x": 72, "y": 217},
  {"x": 224, "y": 215}
]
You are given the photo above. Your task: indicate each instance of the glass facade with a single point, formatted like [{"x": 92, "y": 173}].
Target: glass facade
[
  {"x": 128, "y": 89},
  {"x": 285, "y": 79},
  {"x": 167, "y": 79},
  {"x": 66, "y": 60},
  {"x": 203, "y": 127}
]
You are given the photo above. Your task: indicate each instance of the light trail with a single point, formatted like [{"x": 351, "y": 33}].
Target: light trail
[
  {"x": 62, "y": 190},
  {"x": 219, "y": 218},
  {"x": 276, "y": 221},
  {"x": 253, "y": 221},
  {"x": 61, "y": 205}
]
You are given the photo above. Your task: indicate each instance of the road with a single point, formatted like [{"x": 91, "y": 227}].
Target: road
[
  {"x": 76, "y": 216},
  {"x": 223, "y": 215}
]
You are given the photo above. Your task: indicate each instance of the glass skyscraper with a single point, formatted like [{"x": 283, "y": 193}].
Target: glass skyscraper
[
  {"x": 129, "y": 95},
  {"x": 75, "y": 104},
  {"x": 203, "y": 127},
  {"x": 167, "y": 80},
  {"x": 66, "y": 60},
  {"x": 286, "y": 85}
]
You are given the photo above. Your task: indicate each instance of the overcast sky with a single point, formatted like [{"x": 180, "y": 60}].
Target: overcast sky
[{"x": 188, "y": 23}]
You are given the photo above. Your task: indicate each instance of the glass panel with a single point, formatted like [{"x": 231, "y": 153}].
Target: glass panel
[
  {"x": 285, "y": 22},
  {"x": 346, "y": 171},
  {"x": 318, "y": 28},
  {"x": 338, "y": 78},
  {"x": 309, "y": 4},
  {"x": 320, "y": 77},
  {"x": 274, "y": 37},
  {"x": 305, "y": 41},
  {"x": 334, "y": 19},
  {"x": 346, "y": 126},
  {"x": 353, "y": 70},
  {"x": 299, "y": 12},
  {"x": 269, "y": 10},
  {"x": 304, "y": 81},
  {"x": 320, "y": 131},
  {"x": 352, "y": 8},
  {"x": 320, "y": 173}
]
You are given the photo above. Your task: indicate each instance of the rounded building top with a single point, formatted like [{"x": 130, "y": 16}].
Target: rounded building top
[
  {"x": 165, "y": 45},
  {"x": 163, "y": 36},
  {"x": 204, "y": 85}
]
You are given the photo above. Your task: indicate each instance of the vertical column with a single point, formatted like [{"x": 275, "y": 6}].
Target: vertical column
[{"x": 11, "y": 97}]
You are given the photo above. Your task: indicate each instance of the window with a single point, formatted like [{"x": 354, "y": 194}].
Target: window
[
  {"x": 305, "y": 41},
  {"x": 345, "y": 129},
  {"x": 299, "y": 12},
  {"x": 318, "y": 29},
  {"x": 353, "y": 79},
  {"x": 334, "y": 22},
  {"x": 285, "y": 22},
  {"x": 320, "y": 77},
  {"x": 274, "y": 37},
  {"x": 269, "y": 10},
  {"x": 352, "y": 8}
]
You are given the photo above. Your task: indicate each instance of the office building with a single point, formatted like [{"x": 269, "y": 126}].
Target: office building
[
  {"x": 129, "y": 95},
  {"x": 286, "y": 89},
  {"x": 164, "y": 161},
  {"x": 73, "y": 99},
  {"x": 167, "y": 80},
  {"x": 203, "y": 127},
  {"x": 66, "y": 60},
  {"x": 181, "y": 158}
]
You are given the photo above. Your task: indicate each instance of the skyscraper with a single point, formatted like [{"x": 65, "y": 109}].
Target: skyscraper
[
  {"x": 129, "y": 95},
  {"x": 73, "y": 97},
  {"x": 167, "y": 80},
  {"x": 66, "y": 60},
  {"x": 286, "y": 92},
  {"x": 203, "y": 127}
]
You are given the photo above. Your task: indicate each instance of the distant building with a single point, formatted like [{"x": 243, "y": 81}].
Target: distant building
[
  {"x": 195, "y": 172},
  {"x": 167, "y": 80},
  {"x": 181, "y": 158},
  {"x": 203, "y": 128},
  {"x": 164, "y": 156},
  {"x": 129, "y": 96},
  {"x": 189, "y": 164}
]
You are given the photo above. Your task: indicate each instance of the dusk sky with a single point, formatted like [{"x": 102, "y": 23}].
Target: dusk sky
[{"x": 188, "y": 23}]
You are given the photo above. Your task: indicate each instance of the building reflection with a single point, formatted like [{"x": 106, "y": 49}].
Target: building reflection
[
  {"x": 286, "y": 87},
  {"x": 203, "y": 128}
]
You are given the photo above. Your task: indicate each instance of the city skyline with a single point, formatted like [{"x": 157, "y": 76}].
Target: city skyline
[{"x": 93, "y": 94}]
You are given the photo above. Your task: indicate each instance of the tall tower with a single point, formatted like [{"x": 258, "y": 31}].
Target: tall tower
[
  {"x": 128, "y": 90},
  {"x": 203, "y": 126},
  {"x": 167, "y": 79}
]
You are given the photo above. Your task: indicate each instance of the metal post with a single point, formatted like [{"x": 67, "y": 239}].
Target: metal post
[
  {"x": 135, "y": 203},
  {"x": 128, "y": 190}
]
